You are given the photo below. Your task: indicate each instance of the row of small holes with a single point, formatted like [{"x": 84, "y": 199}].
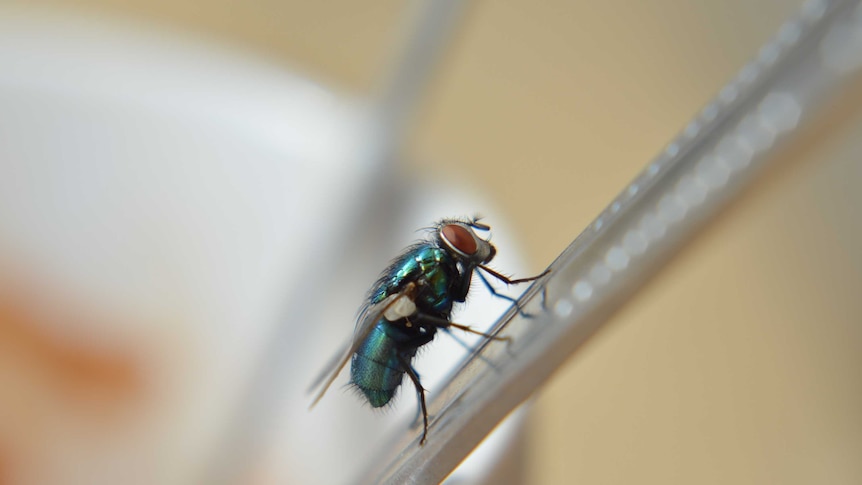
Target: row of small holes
[
  {"x": 777, "y": 113},
  {"x": 787, "y": 36}
]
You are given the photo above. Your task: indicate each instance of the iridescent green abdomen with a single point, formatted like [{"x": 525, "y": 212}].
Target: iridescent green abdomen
[{"x": 376, "y": 368}]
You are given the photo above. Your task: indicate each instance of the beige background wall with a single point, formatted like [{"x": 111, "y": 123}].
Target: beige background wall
[{"x": 741, "y": 362}]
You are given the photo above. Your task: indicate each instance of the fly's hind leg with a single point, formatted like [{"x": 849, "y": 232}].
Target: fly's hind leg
[{"x": 420, "y": 391}]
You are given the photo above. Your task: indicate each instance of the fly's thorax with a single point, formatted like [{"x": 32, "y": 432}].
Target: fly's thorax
[
  {"x": 434, "y": 295},
  {"x": 433, "y": 270}
]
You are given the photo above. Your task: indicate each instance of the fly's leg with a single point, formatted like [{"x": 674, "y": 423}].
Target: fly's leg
[
  {"x": 500, "y": 295},
  {"x": 405, "y": 363},
  {"x": 508, "y": 281},
  {"x": 431, "y": 320},
  {"x": 470, "y": 349}
]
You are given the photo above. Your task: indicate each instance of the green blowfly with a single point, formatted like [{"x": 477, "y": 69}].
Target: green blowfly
[{"x": 411, "y": 299}]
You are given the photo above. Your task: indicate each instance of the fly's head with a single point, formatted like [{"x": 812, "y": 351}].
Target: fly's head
[{"x": 459, "y": 238}]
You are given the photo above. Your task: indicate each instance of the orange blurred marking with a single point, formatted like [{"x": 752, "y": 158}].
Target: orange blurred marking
[{"x": 79, "y": 368}]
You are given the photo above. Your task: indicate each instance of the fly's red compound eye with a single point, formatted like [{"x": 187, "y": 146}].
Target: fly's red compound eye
[{"x": 460, "y": 238}]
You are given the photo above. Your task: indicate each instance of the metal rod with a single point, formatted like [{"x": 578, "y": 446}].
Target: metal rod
[{"x": 803, "y": 67}]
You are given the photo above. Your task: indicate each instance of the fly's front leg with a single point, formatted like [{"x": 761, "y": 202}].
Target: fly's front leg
[
  {"x": 504, "y": 297},
  {"x": 509, "y": 281}
]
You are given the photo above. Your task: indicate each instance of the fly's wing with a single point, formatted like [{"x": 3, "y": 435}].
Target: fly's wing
[
  {"x": 333, "y": 366},
  {"x": 368, "y": 314},
  {"x": 367, "y": 320}
]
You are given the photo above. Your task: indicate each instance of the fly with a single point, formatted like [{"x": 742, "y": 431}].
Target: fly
[{"x": 410, "y": 301}]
